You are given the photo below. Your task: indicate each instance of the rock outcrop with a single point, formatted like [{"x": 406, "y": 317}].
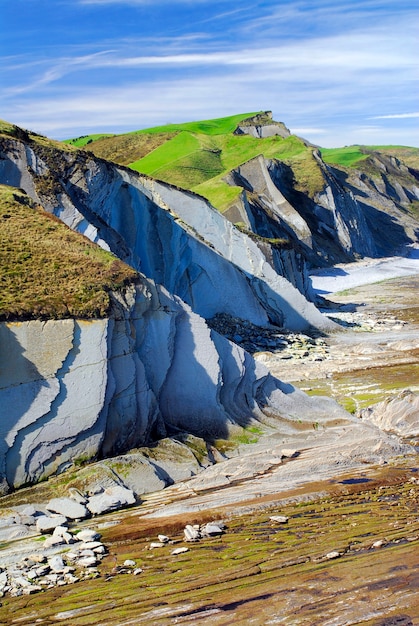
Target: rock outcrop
[
  {"x": 347, "y": 215},
  {"x": 76, "y": 390},
  {"x": 397, "y": 414},
  {"x": 172, "y": 236}
]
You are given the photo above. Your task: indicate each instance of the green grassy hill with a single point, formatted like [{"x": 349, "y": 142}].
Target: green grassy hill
[
  {"x": 49, "y": 271},
  {"x": 198, "y": 155},
  {"x": 353, "y": 156}
]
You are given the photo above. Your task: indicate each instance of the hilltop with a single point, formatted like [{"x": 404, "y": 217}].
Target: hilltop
[{"x": 199, "y": 155}]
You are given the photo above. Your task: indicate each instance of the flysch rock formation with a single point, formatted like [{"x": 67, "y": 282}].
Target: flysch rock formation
[
  {"x": 397, "y": 414},
  {"x": 262, "y": 125},
  {"x": 75, "y": 389},
  {"x": 172, "y": 236},
  {"x": 353, "y": 215}
]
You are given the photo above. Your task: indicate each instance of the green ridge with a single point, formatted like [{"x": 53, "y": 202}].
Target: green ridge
[{"x": 199, "y": 155}]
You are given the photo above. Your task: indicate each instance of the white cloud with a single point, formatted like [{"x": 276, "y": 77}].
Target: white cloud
[
  {"x": 324, "y": 87},
  {"x": 395, "y": 116}
]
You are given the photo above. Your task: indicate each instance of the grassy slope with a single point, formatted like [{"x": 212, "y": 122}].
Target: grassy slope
[
  {"x": 352, "y": 156},
  {"x": 49, "y": 271},
  {"x": 198, "y": 155}
]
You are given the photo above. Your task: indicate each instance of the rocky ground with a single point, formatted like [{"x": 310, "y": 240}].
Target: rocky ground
[{"x": 321, "y": 527}]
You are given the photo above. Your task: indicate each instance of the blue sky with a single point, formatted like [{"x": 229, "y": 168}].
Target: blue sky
[{"x": 337, "y": 73}]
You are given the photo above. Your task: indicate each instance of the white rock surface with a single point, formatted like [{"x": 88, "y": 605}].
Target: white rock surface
[
  {"x": 111, "y": 499},
  {"x": 68, "y": 507},
  {"x": 45, "y": 523},
  {"x": 397, "y": 414}
]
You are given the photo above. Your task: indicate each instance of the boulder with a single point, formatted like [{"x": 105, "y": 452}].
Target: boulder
[
  {"x": 68, "y": 507},
  {"x": 87, "y": 535},
  {"x": 110, "y": 499},
  {"x": 57, "y": 564},
  {"x": 47, "y": 524}
]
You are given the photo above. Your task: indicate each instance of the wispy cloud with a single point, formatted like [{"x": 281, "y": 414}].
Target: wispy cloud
[
  {"x": 321, "y": 67},
  {"x": 395, "y": 116}
]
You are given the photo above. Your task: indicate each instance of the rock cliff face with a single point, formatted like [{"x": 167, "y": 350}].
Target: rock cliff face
[
  {"x": 349, "y": 215},
  {"x": 170, "y": 235},
  {"x": 78, "y": 390}
]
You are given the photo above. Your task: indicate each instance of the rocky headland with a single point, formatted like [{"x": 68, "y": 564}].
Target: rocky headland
[{"x": 184, "y": 420}]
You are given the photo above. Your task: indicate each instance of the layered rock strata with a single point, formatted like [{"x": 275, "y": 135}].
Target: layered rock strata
[
  {"x": 75, "y": 390},
  {"x": 172, "y": 236}
]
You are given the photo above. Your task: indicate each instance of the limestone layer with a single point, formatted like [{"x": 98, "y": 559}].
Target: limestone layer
[{"x": 74, "y": 390}]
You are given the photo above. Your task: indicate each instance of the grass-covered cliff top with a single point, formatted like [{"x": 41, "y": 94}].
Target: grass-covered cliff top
[
  {"x": 198, "y": 155},
  {"x": 15, "y": 132},
  {"x": 353, "y": 156},
  {"x": 49, "y": 271}
]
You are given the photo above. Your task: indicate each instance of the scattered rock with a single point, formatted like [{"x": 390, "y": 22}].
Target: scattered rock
[
  {"x": 129, "y": 563},
  {"x": 110, "y": 499},
  {"x": 191, "y": 533},
  {"x": 56, "y": 564},
  {"x": 76, "y": 495},
  {"x": 279, "y": 519},
  {"x": 211, "y": 529},
  {"x": 68, "y": 507},
  {"x": 179, "y": 551},
  {"x": 45, "y": 523},
  {"x": 87, "y": 535},
  {"x": 332, "y": 555},
  {"x": 88, "y": 561}
]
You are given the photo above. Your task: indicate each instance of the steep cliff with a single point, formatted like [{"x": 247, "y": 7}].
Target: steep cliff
[
  {"x": 172, "y": 236},
  {"x": 328, "y": 214},
  {"x": 77, "y": 389}
]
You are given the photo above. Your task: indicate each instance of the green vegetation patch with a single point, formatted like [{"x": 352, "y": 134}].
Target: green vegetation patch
[
  {"x": 349, "y": 156},
  {"x": 49, "y": 271},
  {"x": 218, "y": 126},
  {"x": 84, "y": 140},
  {"x": 353, "y": 156}
]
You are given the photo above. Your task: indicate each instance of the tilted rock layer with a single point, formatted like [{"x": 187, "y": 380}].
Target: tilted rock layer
[
  {"x": 172, "y": 236},
  {"x": 74, "y": 389}
]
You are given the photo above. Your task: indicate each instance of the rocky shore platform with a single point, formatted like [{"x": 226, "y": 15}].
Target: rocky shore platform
[{"x": 315, "y": 527}]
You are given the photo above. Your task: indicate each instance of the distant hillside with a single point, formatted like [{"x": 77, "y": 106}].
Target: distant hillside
[
  {"x": 200, "y": 156},
  {"x": 354, "y": 156},
  {"x": 48, "y": 270}
]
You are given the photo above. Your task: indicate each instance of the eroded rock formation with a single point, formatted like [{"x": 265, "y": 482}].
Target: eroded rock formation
[
  {"x": 172, "y": 236},
  {"x": 75, "y": 390}
]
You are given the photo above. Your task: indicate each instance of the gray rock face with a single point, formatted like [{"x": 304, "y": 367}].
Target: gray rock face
[
  {"x": 398, "y": 414},
  {"x": 153, "y": 366},
  {"x": 194, "y": 257}
]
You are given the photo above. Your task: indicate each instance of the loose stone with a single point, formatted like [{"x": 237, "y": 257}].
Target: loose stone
[
  {"x": 177, "y": 551},
  {"x": 191, "y": 533},
  {"x": 332, "y": 555},
  {"x": 44, "y": 523},
  {"x": 279, "y": 519},
  {"x": 211, "y": 529}
]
